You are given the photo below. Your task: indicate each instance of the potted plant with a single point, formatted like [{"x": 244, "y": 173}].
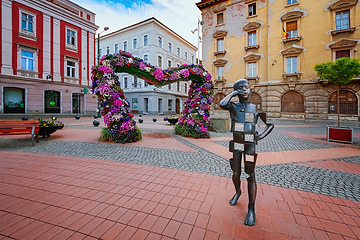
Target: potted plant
[
  {"x": 48, "y": 127},
  {"x": 338, "y": 73},
  {"x": 172, "y": 120}
]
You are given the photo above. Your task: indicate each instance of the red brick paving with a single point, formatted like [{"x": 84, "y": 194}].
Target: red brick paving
[
  {"x": 198, "y": 209},
  {"x": 60, "y": 197}
]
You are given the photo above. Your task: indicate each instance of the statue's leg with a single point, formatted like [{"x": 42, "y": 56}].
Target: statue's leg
[
  {"x": 235, "y": 164},
  {"x": 252, "y": 189}
]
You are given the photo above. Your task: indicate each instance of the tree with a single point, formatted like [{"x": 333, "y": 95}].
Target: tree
[{"x": 339, "y": 73}]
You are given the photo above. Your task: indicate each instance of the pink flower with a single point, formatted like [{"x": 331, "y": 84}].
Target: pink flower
[
  {"x": 185, "y": 72},
  {"x": 159, "y": 74},
  {"x": 118, "y": 102},
  {"x": 105, "y": 69}
]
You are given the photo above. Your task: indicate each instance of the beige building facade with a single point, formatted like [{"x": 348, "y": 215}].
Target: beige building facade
[{"x": 275, "y": 44}]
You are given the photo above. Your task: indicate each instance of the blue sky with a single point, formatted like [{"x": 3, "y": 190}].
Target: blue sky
[{"x": 179, "y": 15}]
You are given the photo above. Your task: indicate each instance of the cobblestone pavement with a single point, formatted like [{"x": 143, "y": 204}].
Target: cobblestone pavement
[{"x": 289, "y": 175}]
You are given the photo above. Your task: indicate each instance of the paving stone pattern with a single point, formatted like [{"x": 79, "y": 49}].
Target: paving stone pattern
[{"x": 289, "y": 175}]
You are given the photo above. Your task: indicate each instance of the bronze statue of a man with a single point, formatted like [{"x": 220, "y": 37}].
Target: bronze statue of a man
[{"x": 243, "y": 123}]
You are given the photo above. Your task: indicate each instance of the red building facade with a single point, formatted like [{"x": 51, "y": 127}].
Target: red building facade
[{"x": 47, "y": 50}]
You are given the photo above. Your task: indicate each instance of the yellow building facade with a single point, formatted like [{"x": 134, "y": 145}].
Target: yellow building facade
[{"x": 275, "y": 44}]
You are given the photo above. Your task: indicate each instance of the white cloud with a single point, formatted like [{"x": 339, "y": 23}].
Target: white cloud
[{"x": 180, "y": 16}]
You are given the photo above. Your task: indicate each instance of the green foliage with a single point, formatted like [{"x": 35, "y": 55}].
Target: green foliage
[
  {"x": 185, "y": 131},
  {"x": 105, "y": 135},
  {"x": 120, "y": 137},
  {"x": 339, "y": 72}
]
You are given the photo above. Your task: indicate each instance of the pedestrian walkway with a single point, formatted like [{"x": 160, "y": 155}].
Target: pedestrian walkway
[{"x": 71, "y": 186}]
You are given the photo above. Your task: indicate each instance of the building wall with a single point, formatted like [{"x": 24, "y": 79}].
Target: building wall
[
  {"x": 154, "y": 29},
  {"x": 47, "y": 41},
  {"x": 316, "y": 41}
]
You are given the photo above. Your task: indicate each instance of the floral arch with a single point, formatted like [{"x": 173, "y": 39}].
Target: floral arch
[{"x": 116, "y": 110}]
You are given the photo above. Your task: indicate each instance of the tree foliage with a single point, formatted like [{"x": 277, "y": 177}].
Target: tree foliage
[{"x": 339, "y": 72}]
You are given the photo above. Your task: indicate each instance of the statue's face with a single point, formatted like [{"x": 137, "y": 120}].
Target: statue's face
[{"x": 244, "y": 91}]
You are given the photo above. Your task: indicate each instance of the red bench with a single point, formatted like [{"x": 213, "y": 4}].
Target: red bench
[{"x": 20, "y": 127}]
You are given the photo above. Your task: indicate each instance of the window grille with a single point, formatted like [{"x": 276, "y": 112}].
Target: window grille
[
  {"x": 347, "y": 102},
  {"x": 292, "y": 102}
]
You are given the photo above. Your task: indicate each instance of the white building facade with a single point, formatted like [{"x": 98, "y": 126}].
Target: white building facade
[
  {"x": 47, "y": 50},
  {"x": 159, "y": 46}
]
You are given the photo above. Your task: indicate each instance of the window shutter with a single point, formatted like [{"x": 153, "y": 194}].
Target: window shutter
[{"x": 290, "y": 26}]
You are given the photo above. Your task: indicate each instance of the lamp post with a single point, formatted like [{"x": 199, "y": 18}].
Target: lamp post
[
  {"x": 199, "y": 38},
  {"x": 98, "y": 43},
  {"x": 98, "y": 61}
]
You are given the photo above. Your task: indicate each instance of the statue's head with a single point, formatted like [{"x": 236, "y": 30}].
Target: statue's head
[{"x": 242, "y": 86}]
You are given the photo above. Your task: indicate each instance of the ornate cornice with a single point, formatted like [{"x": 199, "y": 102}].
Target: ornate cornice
[
  {"x": 342, "y": 4},
  {"x": 220, "y": 62},
  {"x": 292, "y": 50},
  {"x": 344, "y": 43},
  {"x": 292, "y": 15},
  {"x": 251, "y": 26},
  {"x": 252, "y": 57},
  {"x": 219, "y": 34},
  {"x": 208, "y": 3}
]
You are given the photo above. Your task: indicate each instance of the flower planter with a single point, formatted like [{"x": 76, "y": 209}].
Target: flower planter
[
  {"x": 172, "y": 121},
  {"x": 339, "y": 134},
  {"x": 46, "y": 131},
  {"x": 61, "y": 126}
]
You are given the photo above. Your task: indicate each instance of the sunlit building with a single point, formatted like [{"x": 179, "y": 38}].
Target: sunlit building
[
  {"x": 47, "y": 50},
  {"x": 275, "y": 45},
  {"x": 159, "y": 46}
]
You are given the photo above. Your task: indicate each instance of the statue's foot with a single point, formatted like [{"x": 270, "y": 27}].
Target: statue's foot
[
  {"x": 234, "y": 199},
  {"x": 250, "y": 218}
]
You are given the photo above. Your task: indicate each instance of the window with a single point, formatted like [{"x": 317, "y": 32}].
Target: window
[
  {"x": 220, "y": 18},
  {"x": 169, "y": 46},
  {"x": 134, "y": 104},
  {"x": 291, "y": 65},
  {"x": 185, "y": 56},
  {"x": 160, "y": 42},
  {"x": 220, "y": 45},
  {"x": 77, "y": 103},
  {"x": 27, "y": 22},
  {"x": 70, "y": 69},
  {"x": 70, "y": 37},
  {"x": 116, "y": 48},
  {"x": 146, "y": 39},
  {"x": 107, "y": 50},
  {"x": 178, "y": 86},
  {"x": 159, "y": 61},
  {"x": 27, "y": 60},
  {"x": 100, "y": 52},
  {"x": 169, "y": 63},
  {"x": 252, "y": 70},
  {"x": 252, "y": 9},
  {"x": 125, "y": 82},
  {"x": 342, "y": 20},
  {"x": 169, "y": 86},
  {"x": 185, "y": 87},
  {"x": 14, "y": 100},
  {"x": 252, "y": 38},
  {"x": 292, "y": 102},
  {"x": 146, "y": 58},
  {"x": 291, "y": 29},
  {"x": 134, "y": 43},
  {"x": 125, "y": 46},
  {"x": 291, "y": 1},
  {"x": 220, "y": 73},
  {"x": 347, "y": 103},
  {"x": 342, "y": 53},
  {"x": 170, "y": 105},
  {"x": 135, "y": 82},
  {"x": 192, "y": 59},
  {"x": 52, "y": 102},
  {"x": 178, "y": 52}
]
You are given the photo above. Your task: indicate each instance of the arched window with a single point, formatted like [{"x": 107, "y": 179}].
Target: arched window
[
  {"x": 347, "y": 101},
  {"x": 218, "y": 97},
  {"x": 292, "y": 102},
  {"x": 14, "y": 100},
  {"x": 256, "y": 100}
]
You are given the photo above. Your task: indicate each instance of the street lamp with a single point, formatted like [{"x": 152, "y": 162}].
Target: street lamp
[
  {"x": 98, "y": 62},
  {"x": 199, "y": 38},
  {"x": 98, "y": 43}
]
